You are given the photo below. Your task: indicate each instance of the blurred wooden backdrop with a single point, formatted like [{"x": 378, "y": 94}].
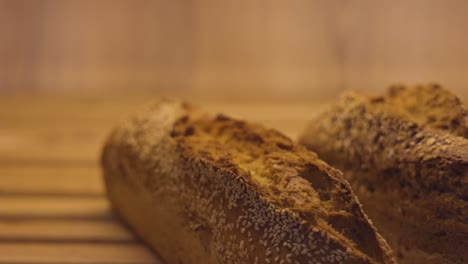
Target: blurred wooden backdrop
[{"x": 295, "y": 49}]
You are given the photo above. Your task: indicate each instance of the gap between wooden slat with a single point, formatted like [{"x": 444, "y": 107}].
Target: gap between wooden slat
[{"x": 73, "y": 253}]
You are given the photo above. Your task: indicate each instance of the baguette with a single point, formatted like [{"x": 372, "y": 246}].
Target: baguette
[
  {"x": 406, "y": 156},
  {"x": 211, "y": 189}
]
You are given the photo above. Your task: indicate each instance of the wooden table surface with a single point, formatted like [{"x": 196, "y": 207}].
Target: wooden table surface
[{"x": 53, "y": 207}]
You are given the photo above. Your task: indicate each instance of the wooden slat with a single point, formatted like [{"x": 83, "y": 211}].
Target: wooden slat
[
  {"x": 65, "y": 140},
  {"x": 21, "y": 148},
  {"x": 54, "y": 143},
  {"x": 50, "y": 230},
  {"x": 37, "y": 207},
  {"x": 73, "y": 155},
  {"x": 74, "y": 111},
  {"x": 65, "y": 180},
  {"x": 71, "y": 108},
  {"x": 76, "y": 253}
]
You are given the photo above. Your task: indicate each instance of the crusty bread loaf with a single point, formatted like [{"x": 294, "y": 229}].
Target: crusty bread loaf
[
  {"x": 406, "y": 156},
  {"x": 211, "y": 189}
]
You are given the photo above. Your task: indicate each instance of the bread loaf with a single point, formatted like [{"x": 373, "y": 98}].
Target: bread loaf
[
  {"x": 211, "y": 189},
  {"x": 406, "y": 156}
]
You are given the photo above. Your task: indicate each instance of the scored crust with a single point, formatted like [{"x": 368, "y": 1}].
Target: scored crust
[
  {"x": 211, "y": 189},
  {"x": 406, "y": 156}
]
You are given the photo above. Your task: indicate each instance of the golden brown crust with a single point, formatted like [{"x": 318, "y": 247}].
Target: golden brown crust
[
  {"x": 429, "y": 106},
  {"x": 233, "y": 192},
  {"x": 404, "y": 157}
]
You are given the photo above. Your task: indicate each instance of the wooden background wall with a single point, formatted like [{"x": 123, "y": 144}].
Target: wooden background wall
[{"x": 295, "y": 48}]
